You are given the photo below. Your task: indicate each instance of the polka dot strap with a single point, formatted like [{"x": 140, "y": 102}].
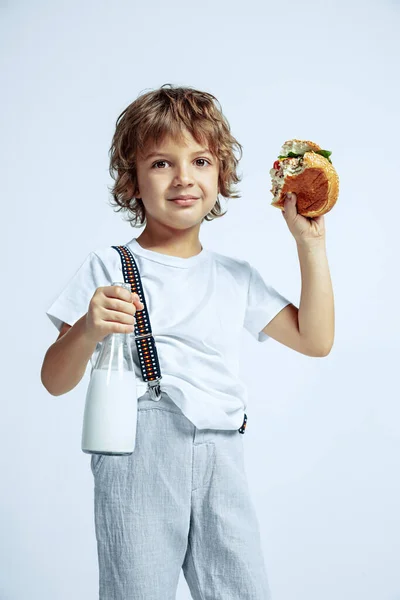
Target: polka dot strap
[{"x": 144, "y": 338}]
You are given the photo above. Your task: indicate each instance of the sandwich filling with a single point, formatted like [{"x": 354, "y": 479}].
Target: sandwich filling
[
  {"x": 290, "y": 162},
  {"x": 281, "y": 169}
]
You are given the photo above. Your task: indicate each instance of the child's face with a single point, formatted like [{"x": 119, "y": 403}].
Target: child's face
[{"x": 175, "y": 170}]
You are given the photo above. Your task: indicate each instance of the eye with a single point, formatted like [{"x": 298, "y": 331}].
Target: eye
[
  {"x": 164, "y": 161},
  {"x": 204, "y": 159},
  {"x": 157, "y": 163}
]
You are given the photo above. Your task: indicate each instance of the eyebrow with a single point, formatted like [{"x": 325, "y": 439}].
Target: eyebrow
[{"x": 158, "y": 153}]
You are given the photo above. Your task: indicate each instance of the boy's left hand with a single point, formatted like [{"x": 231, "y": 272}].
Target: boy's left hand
[{"x": 305, "y": 230}]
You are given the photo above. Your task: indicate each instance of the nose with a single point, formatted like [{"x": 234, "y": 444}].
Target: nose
[{"x": 183, "y": 175}]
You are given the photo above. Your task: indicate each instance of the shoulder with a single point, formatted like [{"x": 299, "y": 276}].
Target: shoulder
[
  {"x": 236, "y": 267},
  {"x": 110, "y": 260}
]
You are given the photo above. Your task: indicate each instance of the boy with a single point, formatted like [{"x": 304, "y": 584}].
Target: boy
[{"x": 181, "y": 499}]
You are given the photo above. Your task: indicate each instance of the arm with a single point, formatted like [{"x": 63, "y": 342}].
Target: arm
[
  {"x": 65, "y": 361},
  {"x": 317, "y": 312},
  {"x": 309, "y": 329}
]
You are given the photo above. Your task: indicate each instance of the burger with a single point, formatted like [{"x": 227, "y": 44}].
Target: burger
[{"x": 305, "y": 169}]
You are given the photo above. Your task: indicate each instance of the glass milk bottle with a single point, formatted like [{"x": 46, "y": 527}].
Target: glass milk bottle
[{"x": 109, "y": 422}]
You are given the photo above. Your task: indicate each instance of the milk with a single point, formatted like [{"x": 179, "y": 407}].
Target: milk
[{"x": 109, "y": 422}]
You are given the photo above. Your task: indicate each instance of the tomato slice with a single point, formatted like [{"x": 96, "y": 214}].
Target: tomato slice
[{"x": 276, "y": 165}]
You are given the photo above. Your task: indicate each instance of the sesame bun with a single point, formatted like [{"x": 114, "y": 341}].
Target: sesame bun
[{"x": 311, "y": 177}]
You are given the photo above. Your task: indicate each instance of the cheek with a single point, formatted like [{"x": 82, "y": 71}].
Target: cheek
[{"x": 211, "y": 181}]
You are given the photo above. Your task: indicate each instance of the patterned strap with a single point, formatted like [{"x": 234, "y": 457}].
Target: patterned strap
[
  {"x": 144, "y": 338},
  {"x": 145, "y": 344},
  {"x": 242, "y": 428}
]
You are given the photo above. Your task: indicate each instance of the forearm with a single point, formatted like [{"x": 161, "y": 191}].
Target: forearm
[
  {"x": 316, "y": 311},
  {"x": 65, "y": 361}
]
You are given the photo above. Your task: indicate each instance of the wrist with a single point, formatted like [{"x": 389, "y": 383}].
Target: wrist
[
  {"x": 90, "y": 340},
  {"x": 315, "y": 244}
]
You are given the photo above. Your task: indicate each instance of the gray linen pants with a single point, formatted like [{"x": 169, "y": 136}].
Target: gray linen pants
[{"x": 180, "y": 500}]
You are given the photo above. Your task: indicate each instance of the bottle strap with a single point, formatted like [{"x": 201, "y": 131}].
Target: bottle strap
[
  {"x": 144, "y": 338},
  {"x": 145, "y": 343}
]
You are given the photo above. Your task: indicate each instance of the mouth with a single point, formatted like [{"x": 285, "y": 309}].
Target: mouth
[{"x": 185, "y": 201}]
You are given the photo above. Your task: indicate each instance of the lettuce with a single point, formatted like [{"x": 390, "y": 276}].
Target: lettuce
[{"x": 325, "y": 153}]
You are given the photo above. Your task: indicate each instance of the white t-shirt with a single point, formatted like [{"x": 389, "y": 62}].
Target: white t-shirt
[{"x": 197, "y": 307}]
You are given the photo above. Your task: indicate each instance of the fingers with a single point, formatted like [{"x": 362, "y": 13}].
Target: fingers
[
  {"x": 289, "y": 202},
  {"x": 290, "y": 198},
  {"x": 123, "y": 303},
  {"x": 127, "y": 296},
  {"x": 139, "y": 305}
]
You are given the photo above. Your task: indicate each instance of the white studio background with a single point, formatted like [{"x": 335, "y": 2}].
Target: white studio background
[{"x": 322, "y": 444}]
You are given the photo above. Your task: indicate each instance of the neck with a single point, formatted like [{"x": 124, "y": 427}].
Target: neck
[{"x": 183, "y": 244}]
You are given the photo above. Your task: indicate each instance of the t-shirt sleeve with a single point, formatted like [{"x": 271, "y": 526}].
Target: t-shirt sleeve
[
  {"x": 73, "y": 301},
  {"x": 264, "y": 302}
]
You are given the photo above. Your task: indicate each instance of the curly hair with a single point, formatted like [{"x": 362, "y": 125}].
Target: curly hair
[{"x": 170, "y": 110}]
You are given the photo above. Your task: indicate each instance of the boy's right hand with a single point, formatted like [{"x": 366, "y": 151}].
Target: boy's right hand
[{"x": 111, "y": 310}]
